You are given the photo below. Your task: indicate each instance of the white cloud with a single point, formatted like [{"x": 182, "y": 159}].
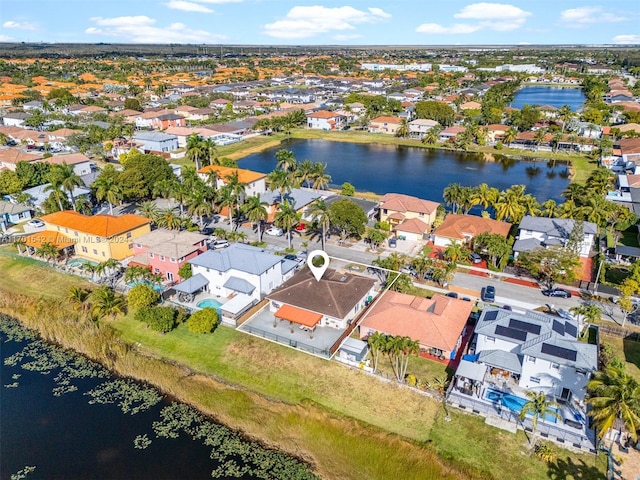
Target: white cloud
[
  {"x": 499, "y": 17},
  {"x": 579, "y": 17},
  {"x": 142, "y": 29},
  {"x": 627, "y": 39},
  {"x": 305, "y": 22},
  {"x": 19, "y": 25},
  {"x": 188, "y": 6},
  {"x": 6, "y": 38},
  {"x": 456, "y": 29}
]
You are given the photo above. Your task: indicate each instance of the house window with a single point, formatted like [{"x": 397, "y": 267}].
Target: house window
[
  {"x": 162, "y": 258},
  {"x": 555, "y": 365},
  {"x": 172, "y": 260},
  {"x": 532, "y": 359},
  {"x": 138, "y": 245},
  {"x": 421, "y": 214},
  {"x": 170, "y": 276},
  {"x": 95, "y": 252},
  {"x": 129, "y": 235},
  {"x": 150, "y": 255},
  {"x": 66, "y": 230},
  {"x": 491, "y": 339},
  {"x": 103, "y": 254},
  {"x": 534, "y": 379},
  {"x": 97, "y": 239},
  {"x": 84, "y": 249}
]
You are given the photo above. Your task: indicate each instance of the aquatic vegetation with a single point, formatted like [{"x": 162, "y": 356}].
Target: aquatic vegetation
[
  {"x": 21, "y": 474},
  {"x": 13, "y": 331},
  {"x": 130, "y": 396},
  {"x": 142, "y": 441}
]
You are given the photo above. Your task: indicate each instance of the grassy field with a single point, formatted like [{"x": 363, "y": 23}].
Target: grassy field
[
  {"x": 627, "y": 350},
  {"x": 345, "y": 423}
]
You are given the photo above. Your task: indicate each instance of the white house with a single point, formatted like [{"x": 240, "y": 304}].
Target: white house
[
  {"x": 514, "y": 353},
  {"x": 325, "y": 120},
  {"x": 82, "y": 165},
  {"x": 545, "y": 232},
  {"x": 420, "y": 126},
  {"x": 242, "y": 269},
  {"x": 333, "y": 301},
  {"x": 254, "y": 182}
]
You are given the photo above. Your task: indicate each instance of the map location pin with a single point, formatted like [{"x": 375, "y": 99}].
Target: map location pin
[{"x": 318, "y": 271}]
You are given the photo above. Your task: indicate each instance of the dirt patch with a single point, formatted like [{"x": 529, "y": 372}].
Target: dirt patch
[{"x": 524, "y": 283}]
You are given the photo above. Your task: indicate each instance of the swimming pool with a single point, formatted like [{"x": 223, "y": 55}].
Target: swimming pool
[
  {"x": 512, "y": 402},
  {"x": 209, "y": 303},
  {"x": 156, "y": 287}
]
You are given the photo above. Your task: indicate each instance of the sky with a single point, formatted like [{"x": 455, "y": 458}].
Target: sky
[{"x": 322, "y": 22}]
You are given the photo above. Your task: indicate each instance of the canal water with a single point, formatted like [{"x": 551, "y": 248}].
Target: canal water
[
  {"x": 421, "y": 172},
  {"x": 553, "y": 96},
  {"x": 70, "y": 419}
]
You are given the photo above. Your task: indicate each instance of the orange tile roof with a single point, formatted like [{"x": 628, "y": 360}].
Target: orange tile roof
[
  {"x": 413, "y": 225},
  {"x": 298, "y": 315},
  {"x": 100, "y": 225},
  {"x": 244, "y": 176},
  {"x": 56, "y": 239},
  {"x": 324, "y": 114},
  {"x": 435, "y": 322},
  {"x": 385, "y": 119},
  {"x": 456, "y": 226}
]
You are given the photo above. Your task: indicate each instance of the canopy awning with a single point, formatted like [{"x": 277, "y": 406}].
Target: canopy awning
[
  {"x": 470, "y": 370},
  {"x": 500, "y": 359},
  {"x": 298, "y": 315},
  {"x": 239, "y": 285},
  {"x": 191, "y": 285}
]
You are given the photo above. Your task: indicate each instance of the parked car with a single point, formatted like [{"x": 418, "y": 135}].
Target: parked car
[
  {"x": 274, "y": 231},
  {"x": 207, "y": 231},
  {"x": 295, "y": 258},
  {"x": 488, "y": 294},
  {"x": 452, "y": 295},
  {"x": 218, "y": 244},
  {"x": 301, "y": 227},
  {"x": 35, "y": 223},
  {"x": 410, "y": 270},
  {"x": 475, "y": 258},
  {"x": 557, "y": 292},
  {"x": 393, "y": 243}
]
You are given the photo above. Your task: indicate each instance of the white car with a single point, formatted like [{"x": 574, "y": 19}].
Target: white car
[
  {"x": 274, "y": 231},
  {"x": 35, "y": 223},
  {"x": 218, "y": 244}
]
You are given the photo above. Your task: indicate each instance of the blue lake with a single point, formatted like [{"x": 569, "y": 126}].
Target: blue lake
[
  {"x": 553, "y": 96},
  {"x": 420, "y": 172}
]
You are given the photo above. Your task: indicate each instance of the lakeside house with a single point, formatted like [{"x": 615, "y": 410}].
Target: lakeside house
[
  {"x": 408, "y": 216},
  {"x": 255, "y": 182},
  {"x": 326, "y": 120},
  {"x": 534, "y": 232},
  {"x": 464, "y": 228},
  {"x": 385, "y": 124},
  {"x": 157, "y": 142},
  {"x": 97, "y": 237},
  {"x": 333, "y": 301},
  {"x": 165, "y": 251},
  {"x": 437, "y": 323}
]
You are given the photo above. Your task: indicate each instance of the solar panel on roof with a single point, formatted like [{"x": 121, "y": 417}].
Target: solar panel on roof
[
  {"x": 558, "y": 327},
  {"x": 559, "y": 352},
  {"x": 571, "y": 329},
  {"x": 526, "y": 326},
  {"x": 491, "y": 315},
  {"x": 511, "y": 333}
]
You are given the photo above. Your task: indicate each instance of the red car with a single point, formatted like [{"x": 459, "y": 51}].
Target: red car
[{"x": 301, "y": 227}]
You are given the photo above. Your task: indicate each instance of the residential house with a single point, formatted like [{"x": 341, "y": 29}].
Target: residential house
[
  {"x": 15, "y": 119},
  {"x": 165, "y": 251},
  {"x": 515, "y": 353},
  {"x": 470, "y": 106},
  {"x": 162, "y": 122},
  {"x": 80, "y": 162},
  {"x": 333, "y": 301},
  {"x": 12, "y": 213},
  {"x": 157, "y": 142},
  {"x": 408, "y": 216},
  {"x": 325, "y": 120},
  {"x": 536, "y": 232},
  {"x": 9, "y": 158},
  {"x": 437, "y": 323},
  {"x": 450, "y": 133},
  {"x": 98, "y": 237},
  {"x": 200, "y": 114},
  {"x": 255, "y": 182},
  {"x": 241, "y": 269},
  {"x": 121, "y": 146},
  {"x": 420, "y": 126},
  {"x": 630, "y": 150},
  {"x": 385, "y": 124},
  {"x": 464, "y": 228},
  {"x": 370, "y": 208},
  {"x": 40, "y": 193},
  {"x": 496, "y": 132}
]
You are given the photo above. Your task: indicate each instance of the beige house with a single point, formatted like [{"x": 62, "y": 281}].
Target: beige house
[
  {"x": 384, "y": 124},
  {"x": 408, "y": 216}
]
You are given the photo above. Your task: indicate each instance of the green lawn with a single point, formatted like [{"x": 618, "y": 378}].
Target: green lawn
[
  {"x": 630, "y": 237},
  {"x": 627, "y": 350}
]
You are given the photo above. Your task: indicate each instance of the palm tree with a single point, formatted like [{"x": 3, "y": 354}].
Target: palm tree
[
  {"x": 279, "y": 180},
  {"x": 432, "y": 135},
  {"x": 195, "y": 149},
  {"x": 614, "y": 395},
  {"x": 106, "y": 303},
  {"x": 210, "y": 150},
  {"x": 319, "y": 212},
  {"x": 452, "y": 196},
  {"x": 67, "y": 178},
  {"x": 164, "y": 188},
  {"x": 107, "y": 189},
  {"x": 149, "y": 209},
  {"x": 549, "y": 208},
  {"x": 167, "y": 218},
  {"x": 510, "y": 135},
  {"x": 376, "y": 342},
  {"x": 256, "y": 212},
  {"x": 538, "y": 407},
  {"x": 212, "y": 178},
  {"x": 304, "y": 172},
  {"x": 539, "y": 137},
  {"x": 287, "y": 217},
  {"x": 403, "y": 129},
  {"x": 286, "y": 160},
  {"x": 78, "y": 297},
  {"x": 48, "y": 251},
  {"x": 237, "y": 189},
  {"x": 180, "y": 194},
  {"x": 484, "y": 195},
  {"x": 565, "y": 113},
  {"x": 456, "y": 251},
  {"x": 321, "y": 179},
  {"x": 198, "y": 205},
  {"x": 226, "y": 199},
  {"x": 55, "y": 187}
]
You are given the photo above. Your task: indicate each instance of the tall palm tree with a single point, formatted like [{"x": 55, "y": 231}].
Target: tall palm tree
[
  {"x": 432, "y": 135},
  {"x": 281, "y": 181},
  {"x": 106, "y": 303},
  {"x": 237, "y": 189},
  {"x": 55, "y": 187},
  {"x": 456, "y": 251},
  {"x": 48, "y": 251},
  {"x": 510, "y": 135},
  {"x": 549, "y": 208},
  {"x": 225, "y": 198},
  {"x": 78, "y": 297},
  {"x": 452, "y": 196},
  {"x": 167, "y": 218},
  {"x": 614, "y": 395},
  {"x": 149, "y": 209},
  {"x": 304, "y": 172},
  {"x": 376, "y": 342},
  {"x": 256, "y": 212},
  {"x": 538, "y": 407},
  {"x": 565, "y": 113},
  {"x": 164, "y": 188},
  {"x": 485, "y": 196},
  {"x": 286, "y": 160},
  {"x": 195, "y": 149},
  {"x": 403, "y": 129},
  {"x": 287, "y": 217},
  {"x": 321, "y": 179},
  {"x": 180, "y": 194},
  {"x": 210, "y": 150},
  {"x": 107, "y": 189},
  {"x": 319, "y": 212},
  {"x": 67, "y": 178},
  {"x": 198, "y": 205}
]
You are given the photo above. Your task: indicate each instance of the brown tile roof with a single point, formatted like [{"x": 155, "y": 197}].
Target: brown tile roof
[
  {"x": 15, "y": 155},
  {"x": 64, "y": 132},
  {"x": 69, "y": 159},
  {"x": 435, "y": 322},
  {"x": 413, "y": 225},
  {"x": 100, "y": 225},
  {"x": 334, "y": 295},
  {"x": 385, "y": 119},
  {"x": 456, "y": 226},
  {"x": 629, "y": 145},
  {"x": 405, "y": 203}
]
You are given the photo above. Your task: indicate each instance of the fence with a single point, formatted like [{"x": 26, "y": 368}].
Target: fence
[
  {"x": 286, "y": 341},
  {"x": 581, "y": 439},
  {"x": 619, "y": 332}
]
